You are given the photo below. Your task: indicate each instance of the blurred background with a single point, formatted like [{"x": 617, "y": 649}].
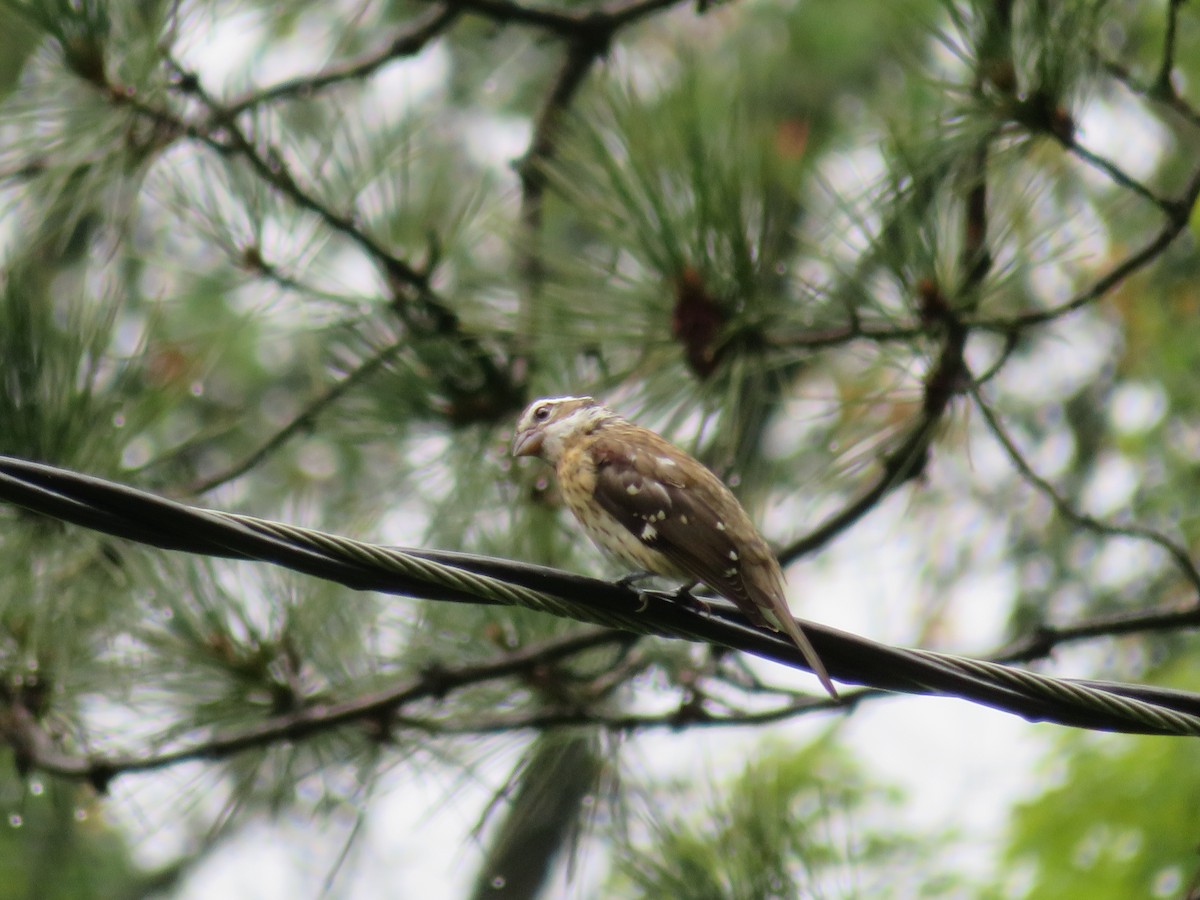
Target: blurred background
[{"x": 308, "y": 261}]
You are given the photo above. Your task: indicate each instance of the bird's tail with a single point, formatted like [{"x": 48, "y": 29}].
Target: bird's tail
[
  {"x": 800, "y": 639},
  {"x": 766, "y": 586}
]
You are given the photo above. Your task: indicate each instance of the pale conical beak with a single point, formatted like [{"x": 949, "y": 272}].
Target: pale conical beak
[{"x": 528, "y": 443}]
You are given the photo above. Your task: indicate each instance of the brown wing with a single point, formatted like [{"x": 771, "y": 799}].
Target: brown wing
[{"x": 674, "y": 505}]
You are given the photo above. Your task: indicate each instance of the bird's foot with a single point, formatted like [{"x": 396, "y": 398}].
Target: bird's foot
[
  {"x": 685, "y": 597},
  {"x": 628, "y": 581}
]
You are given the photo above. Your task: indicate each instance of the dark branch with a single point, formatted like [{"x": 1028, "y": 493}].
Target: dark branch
[
  {"x": 300, "y": 422},
  {"x": 408, "y": 43},
  {"x": 1170, "y": 100},
  {"x": 39, "y": 748},
  {"x": 1133, "y": 263},
  {"x": 1173, "y": 549},
  {"x": 1162, "y": 83},
  {"x": 1043, "y": 640},
  {"x": 581, "y": 55},
  {"x": 1119, "y": 176},
  {"x": 598, "y": 22},
  {"x": 907, "y": 460}
]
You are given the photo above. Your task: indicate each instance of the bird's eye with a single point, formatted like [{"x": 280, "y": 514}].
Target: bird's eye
[{"x": 541, "y": 414}]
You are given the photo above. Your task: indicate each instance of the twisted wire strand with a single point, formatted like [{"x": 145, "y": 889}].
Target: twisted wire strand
[
  {"x": 391, "y": 560},
  {"x": 126, "y": 512},
  {"x": 1088, "y": 697}
]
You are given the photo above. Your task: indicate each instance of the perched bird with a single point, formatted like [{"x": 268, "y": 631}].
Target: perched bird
[{"x": 654, "y": 507}]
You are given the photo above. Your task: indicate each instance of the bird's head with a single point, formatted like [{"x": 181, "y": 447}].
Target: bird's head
[{"x": 547, "y": 424}]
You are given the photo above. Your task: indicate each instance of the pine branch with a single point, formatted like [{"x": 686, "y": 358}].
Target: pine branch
[
  {"x": 35, "y": 747},
  {"x": 1162, "y": 82},
  {"x": 380, "y": 712},
  {"x": 1130, "y": 265},
  {"x": 588, "y": 37},
  {"x": 1170, "y": 208},
  {"x": 1169, "y": 99},
  {"x": 302, "y": 421},
  {"x": 224, "y": 134},
  {"x": 906, "y": 461},
  {"x": 825, "y": 338},
  {"x": 498, "y": 388},
  {"x": 595, "y": 24},
  {"x": 1042, "y": 641},
  {"x": 1172, "y": 548},
  {"x": 577, "y": 62},
  {"x": 408, "y": 43}
]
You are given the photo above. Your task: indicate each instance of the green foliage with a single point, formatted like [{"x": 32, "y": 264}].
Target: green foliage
[
  {"x": 753, "y": 226},
  {"x": 55, "y": 393},
  {"x": 1116, "y": 820},
  {"x": 55, "y": 844},
  {"x": 17, "y": 42},
  {"x": 791, "y": 824},
  {"x": 692, "y": 205}
]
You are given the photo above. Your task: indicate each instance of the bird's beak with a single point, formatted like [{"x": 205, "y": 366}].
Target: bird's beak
[{"x": 528, "y": 442}]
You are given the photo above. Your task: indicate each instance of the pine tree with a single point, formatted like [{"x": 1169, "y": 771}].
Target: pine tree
[{"x": 921, "y": 271}]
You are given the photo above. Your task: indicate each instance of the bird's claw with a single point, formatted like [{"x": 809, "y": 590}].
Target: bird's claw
[
  {"x": 685, "y": 597},
  {"x": 628, "y": 581}
]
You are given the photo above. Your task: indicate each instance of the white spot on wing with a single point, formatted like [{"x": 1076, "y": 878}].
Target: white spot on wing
[
  {"x": 683, "y": 519},
  {"x": 731, "y": 571},
  {"x": 720, "y": 526},
  {"x": 632, "y": 489},
  {"x": 733, "y": 555},
  {"x": 649, "y": 532},
  {"x": 667, "y": 461}
]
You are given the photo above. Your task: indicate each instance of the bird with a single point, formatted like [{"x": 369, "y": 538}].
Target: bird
[{"x": 656, "y": 508}]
